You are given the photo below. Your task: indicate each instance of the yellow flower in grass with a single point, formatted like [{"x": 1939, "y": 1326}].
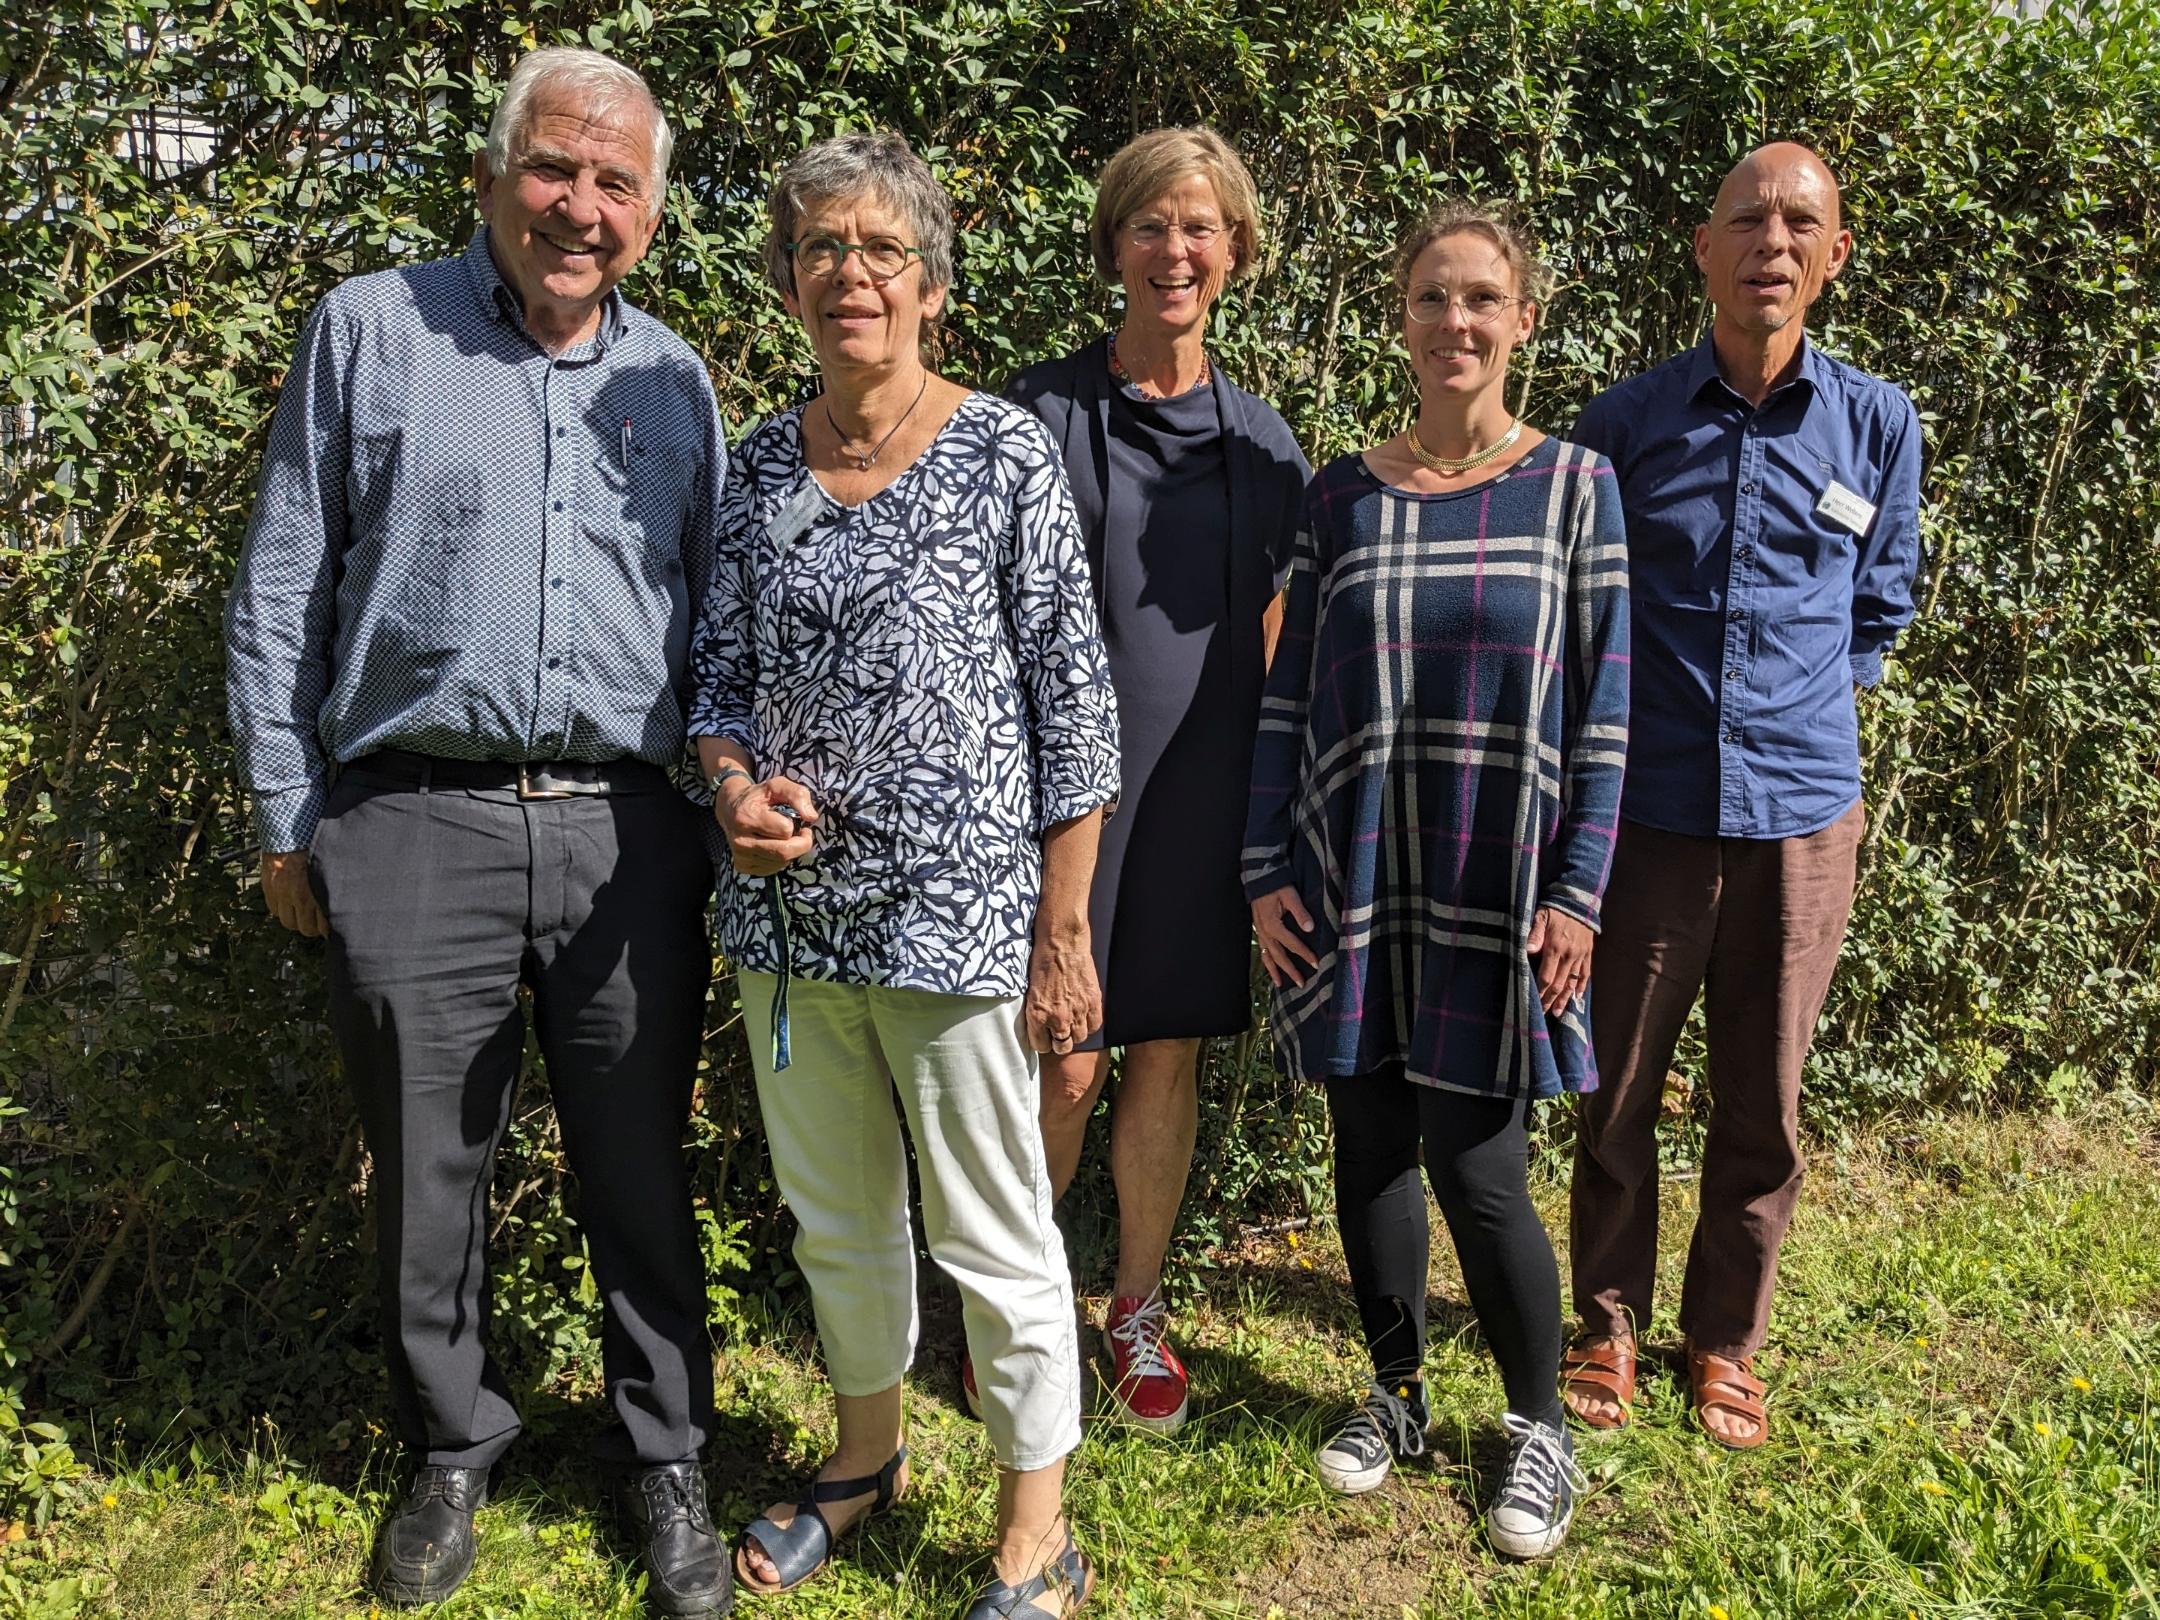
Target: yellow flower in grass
[
  {"x": 1921, "y": 1342},
  {"x": 1717, "y": 1612},
  {"x": 109, "y": 1500},
  {"x": 2082, "y": 1385},
  {"x": 1933, "y": 1488},
  {"x": 2042, "y": 1430}
]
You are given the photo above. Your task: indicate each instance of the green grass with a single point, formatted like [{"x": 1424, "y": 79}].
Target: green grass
[{"x": 1964, "y": 1400}]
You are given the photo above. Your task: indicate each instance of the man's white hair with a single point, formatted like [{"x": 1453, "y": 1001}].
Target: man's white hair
[{"x": 600, "y": 83}]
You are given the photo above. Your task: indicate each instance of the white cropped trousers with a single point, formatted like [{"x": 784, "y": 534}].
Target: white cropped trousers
[{"x": 968, "y": 1087}]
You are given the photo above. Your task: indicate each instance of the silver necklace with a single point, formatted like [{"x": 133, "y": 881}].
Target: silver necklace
[{"x": 863, "y": 463}]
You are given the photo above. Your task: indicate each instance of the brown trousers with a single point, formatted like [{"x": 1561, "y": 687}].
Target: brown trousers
[{"x": 1755, "y": 924}]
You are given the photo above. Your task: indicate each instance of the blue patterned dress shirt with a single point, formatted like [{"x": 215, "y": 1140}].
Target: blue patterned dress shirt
[
  {"x": 466, "y": 546},
  {"x": 1771, "y": 555}
]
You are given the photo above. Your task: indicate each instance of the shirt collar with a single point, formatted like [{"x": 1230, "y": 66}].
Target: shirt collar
[
  {"x": 501, "y": 303},
  {"x": 1703, "y": 371}
]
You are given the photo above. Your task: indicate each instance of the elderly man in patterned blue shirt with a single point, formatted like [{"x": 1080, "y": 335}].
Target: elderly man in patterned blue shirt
[
  {"x": 1772, "y": 501},
  {"x": 456, "y": 658}
]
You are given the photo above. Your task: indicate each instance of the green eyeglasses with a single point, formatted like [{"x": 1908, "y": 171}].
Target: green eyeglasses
[{"x": 883, "y": 257}]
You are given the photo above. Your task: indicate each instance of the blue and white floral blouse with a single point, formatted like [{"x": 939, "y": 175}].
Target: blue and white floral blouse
[{"x": 928, "y": 664}]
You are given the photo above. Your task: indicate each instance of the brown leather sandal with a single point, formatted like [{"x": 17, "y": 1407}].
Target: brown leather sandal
[
  {"x": 1599, "y": 1368},
  {"x": 1723, "y": 1384}
]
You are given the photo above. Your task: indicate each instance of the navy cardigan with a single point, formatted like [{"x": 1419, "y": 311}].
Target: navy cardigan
[{"x": 1267, "y": 476}]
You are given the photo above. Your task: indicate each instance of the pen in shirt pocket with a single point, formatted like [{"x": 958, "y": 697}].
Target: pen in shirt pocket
[{"x": 626, "y": 449}]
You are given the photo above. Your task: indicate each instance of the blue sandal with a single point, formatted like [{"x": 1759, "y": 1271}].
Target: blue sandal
[
  {"x": 804, "y": 1545},
  {"x": 1069, "y": 1574}
]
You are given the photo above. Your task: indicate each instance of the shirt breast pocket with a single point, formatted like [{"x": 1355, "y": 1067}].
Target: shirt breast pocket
[
  {"x": 1829, "y": 550},
  {"x": 651, "y": 488}
]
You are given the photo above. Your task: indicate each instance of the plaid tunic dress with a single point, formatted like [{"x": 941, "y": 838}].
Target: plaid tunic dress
[{"x": 1440, "y": 754}]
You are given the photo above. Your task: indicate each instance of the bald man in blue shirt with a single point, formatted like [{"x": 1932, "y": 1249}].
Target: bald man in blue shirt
[{"x": 1772, "y": 499}]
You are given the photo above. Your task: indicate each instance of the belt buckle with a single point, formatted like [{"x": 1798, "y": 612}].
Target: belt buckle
[{"x": 528, "y": 794}]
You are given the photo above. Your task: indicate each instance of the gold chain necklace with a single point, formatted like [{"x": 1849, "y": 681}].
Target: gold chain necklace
[{"x": 1454, "y": 464}]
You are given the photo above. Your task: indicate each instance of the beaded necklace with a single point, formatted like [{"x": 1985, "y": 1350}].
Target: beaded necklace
[{"x": 1117, "y": 370}]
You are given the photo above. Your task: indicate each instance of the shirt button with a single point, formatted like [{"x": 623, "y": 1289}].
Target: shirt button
[
  {"x": 559, "y": 432},
  {"x": 554, "y": 663},
  {"x": 558, "y": 506},
  {"x": 1747, "y": 489},
  {"x": 555, "y": 584},
  {"x": 1735, "y": 616},
  {"x": 1745, "y": 554}
]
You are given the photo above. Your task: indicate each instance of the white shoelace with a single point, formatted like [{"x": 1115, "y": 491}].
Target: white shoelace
[
  {"x": 1142, "y": 1336},
  {"x": 1387, "y": 1414},
  {"x": 1539, "y": 1463}
]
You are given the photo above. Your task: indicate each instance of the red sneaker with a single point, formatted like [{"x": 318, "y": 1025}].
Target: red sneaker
[{"x": 1148, "y": 1382}]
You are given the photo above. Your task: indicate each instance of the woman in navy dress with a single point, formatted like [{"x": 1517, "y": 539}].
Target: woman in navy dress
[
  {"x": 1187, "y": 488},
  {"x": 1433, "y": 803}
]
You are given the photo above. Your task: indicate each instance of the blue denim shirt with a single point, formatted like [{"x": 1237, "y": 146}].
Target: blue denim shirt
[
  {"x": 466, "y": 546},
  {"x": 1761, "y": 586}
]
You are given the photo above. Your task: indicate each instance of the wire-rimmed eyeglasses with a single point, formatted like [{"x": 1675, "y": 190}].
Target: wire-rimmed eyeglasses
[{"x": 1481, "y": 306}]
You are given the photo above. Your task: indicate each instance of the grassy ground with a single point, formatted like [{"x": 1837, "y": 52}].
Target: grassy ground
[{"x": 1965, "y": 1397}]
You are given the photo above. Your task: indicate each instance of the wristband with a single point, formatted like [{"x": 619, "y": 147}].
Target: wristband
[{"x": 724, "y": 772}]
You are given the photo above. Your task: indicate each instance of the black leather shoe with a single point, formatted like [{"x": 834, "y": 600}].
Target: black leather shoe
[
  {"x": 424, "y": 1550},
  {"x": 686, "y": 1565}
]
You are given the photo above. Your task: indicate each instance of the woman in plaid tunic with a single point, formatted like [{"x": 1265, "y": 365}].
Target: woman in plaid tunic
[{"x": 1434, "y": 796}]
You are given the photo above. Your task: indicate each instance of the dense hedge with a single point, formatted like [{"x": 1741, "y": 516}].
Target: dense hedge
[{"x": 181, "y": 1194}]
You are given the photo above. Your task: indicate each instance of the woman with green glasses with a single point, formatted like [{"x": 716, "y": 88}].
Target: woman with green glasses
[{"x": 904, "y": 711}]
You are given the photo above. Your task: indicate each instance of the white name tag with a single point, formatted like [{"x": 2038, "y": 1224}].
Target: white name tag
[
  {"x": 1847, "y": 510},
  {"x": 801, "y": 511}
]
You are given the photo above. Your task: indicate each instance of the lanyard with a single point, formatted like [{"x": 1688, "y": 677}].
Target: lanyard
[
  {"x": 804, "y": 508},
  {"x": 776, "y": 912}
]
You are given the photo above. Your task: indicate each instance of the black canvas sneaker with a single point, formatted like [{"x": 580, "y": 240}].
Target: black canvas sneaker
[
  {"x": 1531, "y": 1517},
  {"x": 1390, "y": 1424}
]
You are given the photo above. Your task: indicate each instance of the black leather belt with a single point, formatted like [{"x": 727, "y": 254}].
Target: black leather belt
[{"x": 530, "y": 779}]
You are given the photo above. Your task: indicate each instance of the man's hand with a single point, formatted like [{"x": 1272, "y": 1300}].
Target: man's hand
[
  {"x": 1064, "y": 1003},
  {"x": 286, "y": 892},
  {"x": 1562, "y": 946},
  {"x": 1282, "y": 946},
  {"x": 763, "y": 837}
]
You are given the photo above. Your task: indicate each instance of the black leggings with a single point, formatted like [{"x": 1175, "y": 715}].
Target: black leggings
[{"x": 1478, "y": 1155}]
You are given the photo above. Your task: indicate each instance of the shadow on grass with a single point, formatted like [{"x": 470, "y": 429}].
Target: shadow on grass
[{"x": 1321, "y": 1298}]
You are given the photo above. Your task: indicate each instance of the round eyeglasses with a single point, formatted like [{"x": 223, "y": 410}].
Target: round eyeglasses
[
  {"x": 1481, "y": 306},
  {"x": 883, "y": 257}
]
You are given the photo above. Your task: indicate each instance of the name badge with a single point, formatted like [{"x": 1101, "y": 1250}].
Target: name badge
[
  {"x": 801, "y": 511},
  {"x": 1847, "y": 510}
]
